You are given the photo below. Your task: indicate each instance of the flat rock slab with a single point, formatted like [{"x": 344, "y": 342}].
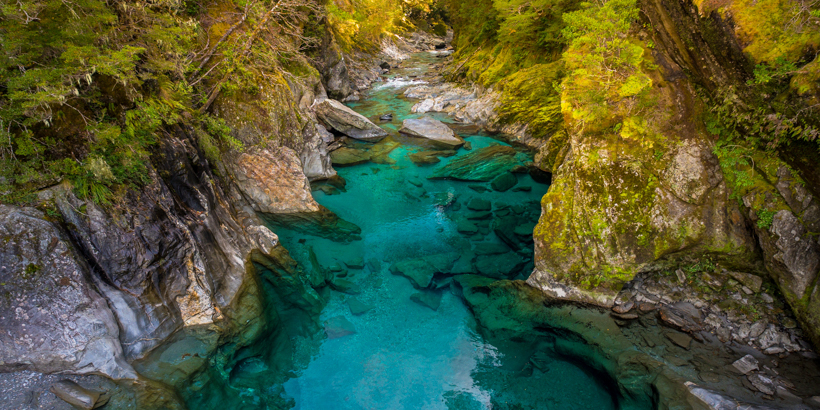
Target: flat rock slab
[
  {"x": 746, "y": 364},
  {"x": 431, "y": 129},
  {"x": 418, "y": 271},
  {"x": 358, "y": 307},
  {"x": 429, "y": 157},
  {"x": 345, "y": 286},
  {"x": 483, "y": 164},
  {"x": 338, "y": 326},
  {"x": 431, "y": 300},
  {"x": 76, "y": 395},
  {"x": 343, "y": 119},
  {"x": 680, "y": 339}
]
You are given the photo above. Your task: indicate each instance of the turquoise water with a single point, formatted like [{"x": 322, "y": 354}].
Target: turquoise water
[{"x": 394, "y": 332}]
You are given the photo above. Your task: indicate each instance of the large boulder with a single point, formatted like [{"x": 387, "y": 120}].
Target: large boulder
[
  {"x": 431, "y": 129},
  {"x": 343, "y": 119},
  {"x": 273, "y": 181},
  {"x": 53, "y": 319}
]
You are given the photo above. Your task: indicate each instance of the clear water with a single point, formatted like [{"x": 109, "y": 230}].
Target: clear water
[{"x": 405, "y": 355}]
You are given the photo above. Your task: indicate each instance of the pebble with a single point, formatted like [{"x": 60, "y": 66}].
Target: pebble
[{"x": 746, "y": 364}]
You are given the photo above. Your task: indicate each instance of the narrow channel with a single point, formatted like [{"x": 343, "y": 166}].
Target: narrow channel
[{"x": 395, "y": 331}]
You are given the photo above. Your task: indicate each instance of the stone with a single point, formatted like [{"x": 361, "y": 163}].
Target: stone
[
  {"x": 418, "y": 271},
  {"x": 524, "y": 230},
  {"x": 753, "y": 282},
  {"x": 762, "y": 383},
  {"x": 75, "y": 395},
  {"x": 466, "y": 227},
  {"x": 429, "y": 157},
  {"x": 483, "y": 164},
  {"x": 502, "y": 266},
  {"x": 504, "y": 182},
  {"x": 346, "y": 121},
  {"x": 768, "y": 338},
  {"x": 504, "y": 228},
  {"x": 479, "y": 215},
  {"x": 431, "y": 129},
  {"x": 680, "y": 275},
  {"x": 788, "y": 323},
  {"x": 345, "y": 286},
  {"x": 415, "y": 181},
  {"x": 338, "y": 326},
  {"x": 430, "y": 299},
  {"x": 358, "y": 307},
  {"x": 774, "y": 350},
  {"x": 52, "y": 318},
  {"x": 479, "y": 188},
  {"x": 757, "y": 329},
  {"x": 488, "y": 248},
  {"x": 623, "y": 308},
  {"x": 709, "y": 377},
  {"x": 355, "y": 263},
  {"x": 386, "y": 117},
  {"x": 478, "y": 204},
  {"x": 682, "y": 315},
  {"x": 345, "y": 157},
  {"x": 746, "y": 364},
  {"x": 273, "y": 180},
  {"x": 522, "y": 189},
  {"x": 444, "y": 199},
  {"x": 680, "y": 339}
]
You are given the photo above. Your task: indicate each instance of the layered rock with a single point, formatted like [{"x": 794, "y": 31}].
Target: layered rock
[
  {"x": 341, "y": 118},
  {"x": 53, "y": 319}
]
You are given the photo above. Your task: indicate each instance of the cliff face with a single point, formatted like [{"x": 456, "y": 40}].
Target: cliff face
[{"x": 619, "y": 206}]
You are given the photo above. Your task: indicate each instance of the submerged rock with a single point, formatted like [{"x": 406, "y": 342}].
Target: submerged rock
[
  {"x": 358, "y": 307},
  {"x": 430, "y": 299},
  {"x": 431, "y": 129},
  {"x": 339, "y": 326},
  {"x": 504, "y": 182},
  {"x": 76, "y": 395},
  {"x": 345, "y": 156},
  {"x": 343, "y": 119},
  {"x": 418, "y": 271},
  {"x": 501, "y": 266},
  {"x": 429, "y": 157},
  {"x": 483, "y": 164},
  {"x": 478, "y": 204}
]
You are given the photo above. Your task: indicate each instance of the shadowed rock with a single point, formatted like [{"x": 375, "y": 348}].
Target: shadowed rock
[{"x": 339, "y": 326}]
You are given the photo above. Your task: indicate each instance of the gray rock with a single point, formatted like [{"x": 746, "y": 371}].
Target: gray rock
[
  {"x": 680, "y": 339},
  {"x": 431, "y": 129},
  {"x": 75, "y": 395},
  {"x": 53, "y": 319},
  {"x": 757, "y": 329},
  {"x": 343, "y": 119},
  {"x": 768, "y": 338},
  {"x": 746, "y": 364},
  {"x": 753, "y": 282},
  {"x": 762, "y": 383}
]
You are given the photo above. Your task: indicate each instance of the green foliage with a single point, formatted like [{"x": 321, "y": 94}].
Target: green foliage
[
  {"x": 765, "y": 219},
  {"x": 363, "y": 23},
  {"x": 604, "y": 64},
  {"x": 765, "y": 73},
  {"x": 531, "y": 97}
]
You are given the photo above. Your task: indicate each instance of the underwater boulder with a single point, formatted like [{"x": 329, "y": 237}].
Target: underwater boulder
[
  {"x": 501, "y": 266},
  {"x": 345, "y": 157},
  {"x": 428, "y": 299},
  {"x": 358, "y": 307},
  {"x": 483, "y": 164},
  {"x": 339, "y": 326},
  {"x": 504, "y": 182}
]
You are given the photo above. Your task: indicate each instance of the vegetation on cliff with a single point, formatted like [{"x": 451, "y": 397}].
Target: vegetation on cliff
[{"x": 88, "y": 87}]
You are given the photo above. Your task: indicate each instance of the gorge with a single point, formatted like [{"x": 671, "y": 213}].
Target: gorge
[{"x": 402, "y": 205}]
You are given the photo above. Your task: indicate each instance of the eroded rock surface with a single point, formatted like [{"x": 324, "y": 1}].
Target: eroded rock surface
[
  {"x": 52, "y": 318},
  {"x": 431, "y": 129}
]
